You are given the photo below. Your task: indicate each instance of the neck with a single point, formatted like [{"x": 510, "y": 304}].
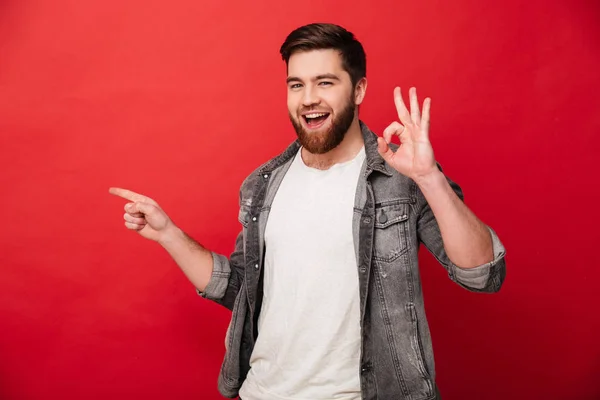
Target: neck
[{"x": 348, "y": 149}]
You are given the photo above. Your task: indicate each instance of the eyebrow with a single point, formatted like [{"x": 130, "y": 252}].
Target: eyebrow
[{"x": 316, "y": 78}]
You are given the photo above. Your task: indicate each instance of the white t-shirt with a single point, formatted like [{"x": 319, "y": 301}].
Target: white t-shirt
[{"x": 308, "y": 345}]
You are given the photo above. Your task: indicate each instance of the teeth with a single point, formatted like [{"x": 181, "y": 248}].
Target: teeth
[{"x": 315, "y": 115}]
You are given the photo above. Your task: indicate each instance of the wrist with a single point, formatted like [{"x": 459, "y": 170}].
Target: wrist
[
  {"x": 431, "y": 180},
  {"x": 170, "y": 235}
]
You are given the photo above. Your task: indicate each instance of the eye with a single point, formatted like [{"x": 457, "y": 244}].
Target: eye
[
  {"x": 295, "y": 86},
  {"x": 325, "y": 83}
]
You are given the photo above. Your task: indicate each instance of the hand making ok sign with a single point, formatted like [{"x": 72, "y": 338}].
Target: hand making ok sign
[{"x": 414, "y": 158}]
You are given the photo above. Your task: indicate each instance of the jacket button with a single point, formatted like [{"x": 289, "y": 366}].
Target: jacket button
[
  {"x": 367, "y": 220},
  {"x": 253, "y": 218},
  {"x": 255, "y": 266},
  {"x": 383, "y": 218}
]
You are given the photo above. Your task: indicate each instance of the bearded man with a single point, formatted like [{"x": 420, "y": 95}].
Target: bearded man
[{"x": 324, "y": 282}]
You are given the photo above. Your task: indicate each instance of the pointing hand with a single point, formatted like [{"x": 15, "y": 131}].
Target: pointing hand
[{"x": 144, "y": 215}]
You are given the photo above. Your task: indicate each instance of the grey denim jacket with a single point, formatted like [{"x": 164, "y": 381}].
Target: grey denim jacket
[{"x": 391, "y": 219}]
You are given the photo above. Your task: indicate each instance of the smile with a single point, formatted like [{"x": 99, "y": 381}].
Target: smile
[{"x": 315, "y": 120}]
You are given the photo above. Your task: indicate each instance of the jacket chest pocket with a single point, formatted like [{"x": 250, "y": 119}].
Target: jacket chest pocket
[{"x": 391, "y": 230}]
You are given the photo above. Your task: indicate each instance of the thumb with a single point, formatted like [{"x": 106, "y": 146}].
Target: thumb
[{"x": 384, "y": 150}]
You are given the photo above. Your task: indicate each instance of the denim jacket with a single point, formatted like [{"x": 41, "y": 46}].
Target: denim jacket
[{"x": 391, "y": 219}]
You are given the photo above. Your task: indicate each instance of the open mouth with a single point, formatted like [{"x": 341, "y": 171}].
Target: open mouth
[{"x": 315, "y": 120}]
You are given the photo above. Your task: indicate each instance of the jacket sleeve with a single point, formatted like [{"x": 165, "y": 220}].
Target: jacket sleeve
[
  {"x": 487, "y": 277},
  {"x": 227, "y": 273},
  {"x": 227, "y": 276}
]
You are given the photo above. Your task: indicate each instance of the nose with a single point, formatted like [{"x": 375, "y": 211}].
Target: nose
[{"x": 310, "y": 97}]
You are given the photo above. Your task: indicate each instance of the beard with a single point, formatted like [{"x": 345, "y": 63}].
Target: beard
[{"x": 322, "y": 142}]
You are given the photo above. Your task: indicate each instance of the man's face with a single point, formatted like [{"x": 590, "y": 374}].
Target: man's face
[{"x": 321, "y": 99}]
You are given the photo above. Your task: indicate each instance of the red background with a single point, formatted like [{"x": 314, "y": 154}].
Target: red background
[{"x": 181, "y": 100}]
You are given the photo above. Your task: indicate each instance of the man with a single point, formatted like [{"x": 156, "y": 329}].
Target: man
[{"x": 324, "y": 281}]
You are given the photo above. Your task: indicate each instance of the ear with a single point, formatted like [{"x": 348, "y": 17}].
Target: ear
[{"x": 360, "y": 91}]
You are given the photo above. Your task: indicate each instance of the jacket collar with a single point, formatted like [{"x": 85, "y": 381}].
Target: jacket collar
[{"x": 374, "y": 160}]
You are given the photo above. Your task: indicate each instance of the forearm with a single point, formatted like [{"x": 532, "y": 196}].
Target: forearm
[
  {"x": 466, "y": 239},
  {"x": 195, "y": 261}
]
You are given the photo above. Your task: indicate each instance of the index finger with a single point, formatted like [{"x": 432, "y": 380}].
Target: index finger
[
  {"x": 403, "y": 113},
  {"x": 127, "y": 194}
]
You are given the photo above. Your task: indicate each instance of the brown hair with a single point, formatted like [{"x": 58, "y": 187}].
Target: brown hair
[{"x": 320, "y": 36}]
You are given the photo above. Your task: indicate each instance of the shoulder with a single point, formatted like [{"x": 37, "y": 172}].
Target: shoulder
[
  {"x": 265, "y": 170},
  {"x": 249, "y": 183},
  {"x": 388, "y": 183}
]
